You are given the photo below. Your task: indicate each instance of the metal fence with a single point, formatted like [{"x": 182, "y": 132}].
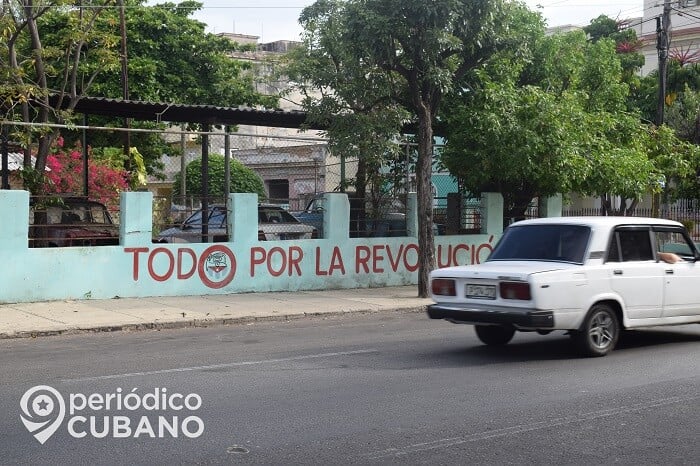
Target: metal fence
[
  {"x": 294, "y": 168},
  {"x": 684, "y": 211},
  {"x": 295, "y": 171}
]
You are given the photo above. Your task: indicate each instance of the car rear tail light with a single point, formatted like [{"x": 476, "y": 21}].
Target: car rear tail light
[
  {"x": 261, "y": 236},
  {"x": 314, "y": 234},
  {"x": 443, "y": 287},
  {"x": 515, "y": 290}
]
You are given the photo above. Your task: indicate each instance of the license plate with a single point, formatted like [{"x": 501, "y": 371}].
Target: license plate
[{"x": 481, "y": 291}]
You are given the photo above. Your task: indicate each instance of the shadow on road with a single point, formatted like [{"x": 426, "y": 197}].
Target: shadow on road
[
  {"x": 654, "y": 337},
  {"x": 555, "y": 347}
]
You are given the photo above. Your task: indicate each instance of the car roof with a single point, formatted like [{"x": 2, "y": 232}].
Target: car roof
[{"x": 598, "y": 221}]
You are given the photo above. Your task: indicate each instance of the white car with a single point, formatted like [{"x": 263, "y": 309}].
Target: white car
[{"x": 590, "y": 276}]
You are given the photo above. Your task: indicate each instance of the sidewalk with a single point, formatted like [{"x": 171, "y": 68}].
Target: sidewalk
[{"x": 23, "y": 320}]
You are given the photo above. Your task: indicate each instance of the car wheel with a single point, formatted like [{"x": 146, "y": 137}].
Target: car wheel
[
  {"x": 599, "y": 333},
  {"x": 494, "y": 335}
]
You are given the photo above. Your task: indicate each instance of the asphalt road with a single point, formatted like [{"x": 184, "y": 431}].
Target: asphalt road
[{"x": 394, "y": 388}]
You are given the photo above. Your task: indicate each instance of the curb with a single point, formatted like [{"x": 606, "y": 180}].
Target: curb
[{"x": 197, "y": 323}]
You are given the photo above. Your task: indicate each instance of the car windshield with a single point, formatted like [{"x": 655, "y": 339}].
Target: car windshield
[
  {"x": 273, "y": 215},
  {"x": 566, "y": 243},
  {"x": 217, "y": 218}
]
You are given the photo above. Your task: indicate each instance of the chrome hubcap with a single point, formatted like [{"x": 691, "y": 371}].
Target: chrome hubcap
[{"x": 602, "y": 330}]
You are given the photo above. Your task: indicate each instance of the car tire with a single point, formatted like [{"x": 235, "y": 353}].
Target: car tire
[
  {"x": 494, "y": 335},
  {"x": 599, "y": 333}
]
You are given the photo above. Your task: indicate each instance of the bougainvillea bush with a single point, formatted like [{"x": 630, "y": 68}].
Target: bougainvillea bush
[{"x": 105, "y": 182}]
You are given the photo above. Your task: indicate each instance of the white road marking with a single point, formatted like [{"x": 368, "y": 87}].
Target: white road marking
[
  {"x": 219, "y": 366},
  {"x": 519, "y": 429}
]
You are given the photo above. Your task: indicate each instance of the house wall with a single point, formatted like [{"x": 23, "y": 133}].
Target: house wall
[
  {"x": 685, "y": 33},
  {"x": 140, "y": 268}
]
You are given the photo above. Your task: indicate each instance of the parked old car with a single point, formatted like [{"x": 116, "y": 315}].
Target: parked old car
[
  {"x": 70, "y": 221},
  {"x": 589, "y": 276},
  {"x": 274, "y": 223},
  {"x": 390, "y": 222}
]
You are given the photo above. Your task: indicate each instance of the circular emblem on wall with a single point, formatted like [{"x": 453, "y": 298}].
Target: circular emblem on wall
[{"x": 217, "y": 266}]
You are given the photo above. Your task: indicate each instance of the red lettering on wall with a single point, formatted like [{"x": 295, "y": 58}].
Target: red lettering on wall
[
  {"x": 282, "y": 262},
  {"x": 296, "y": 254},
  {"x": 483, "y": 246},
  {"x": 257, "y": 257},
  {"x": 136, "y": 252},
  {"x": 394, "y": 261},
  {"x": 377, "y": 257},
  {"x": 457, "y": 248},
  {"x": 336, "y": 262},
  {"x": 171, "y": 264},
  {"x": 180, "y": 253},
  {"x": 410, "y": 267},
  {"x": 362, "y": 255},
  {"x": 319, "y": 272}
]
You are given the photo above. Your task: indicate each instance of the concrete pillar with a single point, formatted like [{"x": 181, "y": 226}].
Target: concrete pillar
[
  {"x": 336, "y": 216},
  {"x": 551, "y": 206},
  {"x": 135, "y": 218},
  {"x": 242, "y": 217},
  {"x": 412, "y": 215},
  {"x": 491, "y": 213},
  {"x": 14, "y": 220}
]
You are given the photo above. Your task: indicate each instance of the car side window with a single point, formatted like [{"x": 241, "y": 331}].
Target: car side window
[
  {"x": 629, "y": 245},
  {"x": 316, "y": 205},
  {"x": 673, "y": 241}
]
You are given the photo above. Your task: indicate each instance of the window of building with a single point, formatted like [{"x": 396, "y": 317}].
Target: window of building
[{"x": 278, "y": 191}]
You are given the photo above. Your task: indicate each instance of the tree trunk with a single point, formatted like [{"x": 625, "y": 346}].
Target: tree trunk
[
  {"x": 424, "y": 170},
  {"x": 45, "y": 141},
  {"x": 358, "y": 218}
]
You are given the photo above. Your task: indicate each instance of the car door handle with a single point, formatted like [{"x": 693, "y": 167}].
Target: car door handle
[
  {"x": 617, "y": 272},
  {"x": 669, "y": 271}
]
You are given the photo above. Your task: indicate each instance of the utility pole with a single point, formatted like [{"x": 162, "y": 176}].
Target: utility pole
[
  {"x": 125, "y": 80},
  {"x": 663, "y": 28}
]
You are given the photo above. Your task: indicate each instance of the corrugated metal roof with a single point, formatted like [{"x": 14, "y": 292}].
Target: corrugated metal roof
[{"x": 181, "y": 113}]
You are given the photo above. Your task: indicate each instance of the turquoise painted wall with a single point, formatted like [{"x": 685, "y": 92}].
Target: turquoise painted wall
[{"x": 139, "y": 268}]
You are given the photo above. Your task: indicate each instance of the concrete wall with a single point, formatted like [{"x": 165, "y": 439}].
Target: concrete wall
[{"x": 139, "y": 268}]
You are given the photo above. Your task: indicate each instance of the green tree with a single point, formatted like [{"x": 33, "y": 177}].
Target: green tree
[
  {"x": 682, "y": 74},
  {"x": 681, "y": 113},
  {"x": 627, "y": 46},
  {"x": 73, "y": 49},
  {"x": 243, "y": 179},
  {"x": 356, "y": 108},
  {"x": 34, "y": 68},
  {"x": 565, "y": 130},
  {"x": 172, "y": 59},
  {"x": 413, "y": 52}
]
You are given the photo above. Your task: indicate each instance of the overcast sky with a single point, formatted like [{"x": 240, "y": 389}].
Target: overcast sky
[{"x": 273, "y": 20}]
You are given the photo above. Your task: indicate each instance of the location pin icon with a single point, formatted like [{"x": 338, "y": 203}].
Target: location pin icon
[{"x": 43, "y": 410}]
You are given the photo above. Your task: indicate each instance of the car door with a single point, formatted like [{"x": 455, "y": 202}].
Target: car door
[
  {"x": 634, "y": 273},
  {"x": 681, "y": 279}
]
